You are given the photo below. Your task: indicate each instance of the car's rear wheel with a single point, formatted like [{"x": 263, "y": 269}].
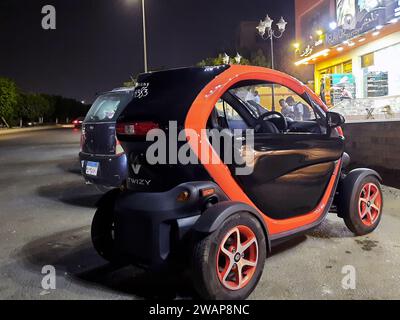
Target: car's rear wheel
[
  {"x": 102, "y": 232},
  {"x": 363, "y": 213},
  {"x": 228, "y": 264}
]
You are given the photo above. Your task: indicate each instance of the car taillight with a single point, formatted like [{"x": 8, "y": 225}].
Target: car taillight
[
  {"x": 136, "y": 128},
  {"x": 118, "y": 148},
  {"x": 82, "y": 141},
  {"x": 83, "y": 137},
  {"x": 75, "y": 122}
]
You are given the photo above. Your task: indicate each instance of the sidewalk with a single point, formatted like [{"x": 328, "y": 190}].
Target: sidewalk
[{"x": 23, "y": 130}]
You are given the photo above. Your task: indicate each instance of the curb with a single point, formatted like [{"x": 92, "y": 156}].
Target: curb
[{"x": 24, "y": 130}]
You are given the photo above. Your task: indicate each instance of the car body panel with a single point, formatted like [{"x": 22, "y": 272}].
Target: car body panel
[
  {"x": 99, "y": 138},
  {"x": 197, "y": 119},
  {"x": 112, "y": 170}
]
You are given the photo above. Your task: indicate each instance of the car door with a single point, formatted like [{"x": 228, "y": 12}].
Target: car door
[{"x": 292, "y": 169}]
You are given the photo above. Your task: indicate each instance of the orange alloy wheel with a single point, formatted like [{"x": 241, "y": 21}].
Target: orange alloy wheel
[
  {"x": 369, "y": 204},
  {"x": 237, "y": 258}
]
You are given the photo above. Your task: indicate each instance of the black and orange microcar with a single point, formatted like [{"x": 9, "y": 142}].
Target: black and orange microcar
[{"x": 205, "y": 215}]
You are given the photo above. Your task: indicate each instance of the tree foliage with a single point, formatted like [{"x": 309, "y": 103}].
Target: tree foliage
[
  {"x": 8, "y": 98},
  {"x": 130, "y": 83},
  {"x": 257, "y": 59},
  {"x": 32, "y": 106},
  {"x": 67, "y": 108},
  {"x": 29, "y": 107}
]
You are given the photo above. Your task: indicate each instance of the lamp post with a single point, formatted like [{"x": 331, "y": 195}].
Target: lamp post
[
  {"x": 266, "y": 32},
  {"x": 146, "y": 69}
]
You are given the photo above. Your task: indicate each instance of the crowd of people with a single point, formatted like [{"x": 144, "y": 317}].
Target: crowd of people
[{"x": 290, "y": 108}]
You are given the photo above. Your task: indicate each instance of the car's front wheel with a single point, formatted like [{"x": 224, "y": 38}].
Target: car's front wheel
[
  {"x": 228, "y": 264},
  {"x": 362, "y": 211}
]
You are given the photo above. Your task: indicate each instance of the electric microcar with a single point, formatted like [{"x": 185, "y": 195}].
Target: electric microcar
[{"x": 222, "y": 218}]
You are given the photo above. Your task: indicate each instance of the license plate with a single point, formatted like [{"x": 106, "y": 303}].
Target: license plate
[{"x": 92, "y": 168}]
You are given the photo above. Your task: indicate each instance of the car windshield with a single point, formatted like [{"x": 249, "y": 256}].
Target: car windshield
[{"x": 108, "y": 107}]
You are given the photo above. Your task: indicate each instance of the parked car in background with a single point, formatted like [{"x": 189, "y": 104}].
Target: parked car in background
[
  {"x": 103, "y": 161},
  {"x": 78, "y": 122}
]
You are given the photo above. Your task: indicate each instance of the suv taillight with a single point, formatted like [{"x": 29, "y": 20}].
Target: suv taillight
[
  {"x": 82, "y": 138},
  {"x": 118, "y": 148},
  {"x": 136, "y": 128}
]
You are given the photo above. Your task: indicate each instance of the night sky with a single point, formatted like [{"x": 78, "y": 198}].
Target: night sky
[{"x": 98, "y": 43}]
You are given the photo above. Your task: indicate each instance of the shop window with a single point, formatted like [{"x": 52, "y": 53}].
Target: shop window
[
  {"x": 381, "y": 71},
  {"x": 377, "y": 83},
  {"x": 337, "y": 83},
  {"x": 345, "y": 67},
  {"x": 348, "y": 67}
]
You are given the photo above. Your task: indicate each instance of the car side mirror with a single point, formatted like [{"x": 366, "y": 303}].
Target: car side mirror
[{"x": 335, "y": 119}]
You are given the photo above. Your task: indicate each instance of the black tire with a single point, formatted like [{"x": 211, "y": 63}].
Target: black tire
[
  {"x": 349, "y": 208},
  {"x": 102, "y": 232},
  {"x": 207, "y": 254}
]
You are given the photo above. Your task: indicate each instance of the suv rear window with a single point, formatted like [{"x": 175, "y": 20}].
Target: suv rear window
[{"x": 107, "y": 107}]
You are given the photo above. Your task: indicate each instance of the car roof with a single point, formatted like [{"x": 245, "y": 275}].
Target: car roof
[{"x": 123, "y": 89}]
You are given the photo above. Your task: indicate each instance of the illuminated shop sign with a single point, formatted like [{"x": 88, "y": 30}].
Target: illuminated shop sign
[
  {"x": 355, "y": 17},
  {"x": 392, "y": 10},
  {"x": 397, "y": 9}
]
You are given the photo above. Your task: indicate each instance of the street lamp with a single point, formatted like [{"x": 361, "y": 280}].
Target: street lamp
[
  {"x": 146, "y": 69},
  {"x": 266, "y": 32},
  {"x": 238, "y": 58},
  {"x": 226, "y": 59}
]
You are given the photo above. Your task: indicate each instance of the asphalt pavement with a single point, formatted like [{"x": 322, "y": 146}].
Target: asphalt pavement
[{"x": 46, "y": 211}]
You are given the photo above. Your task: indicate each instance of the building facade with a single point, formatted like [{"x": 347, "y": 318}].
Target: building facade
[{"x": 354, "y": 47}]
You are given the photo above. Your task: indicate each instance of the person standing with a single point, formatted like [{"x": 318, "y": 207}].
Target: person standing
[
  {"x": 257, "y": 97},
  {"x": 322, "y": 91},
  {"x": 297, "y": 109},
  {"x": 301, "y": 111},
  {"x": 286, "y": 110}
]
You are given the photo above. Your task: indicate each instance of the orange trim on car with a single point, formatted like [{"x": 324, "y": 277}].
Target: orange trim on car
[{"x": 198, "y": 116}]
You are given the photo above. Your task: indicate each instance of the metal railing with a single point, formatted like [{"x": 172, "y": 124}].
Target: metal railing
[{"x": 370, "y": 109}]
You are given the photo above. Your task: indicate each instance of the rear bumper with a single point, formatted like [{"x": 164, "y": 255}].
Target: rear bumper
[
  {"x": 112, "y": 172},
  {"x": 153, "y": 229}
]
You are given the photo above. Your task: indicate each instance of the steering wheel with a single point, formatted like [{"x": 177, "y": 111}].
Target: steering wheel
[{"x": 277, "y": 118}]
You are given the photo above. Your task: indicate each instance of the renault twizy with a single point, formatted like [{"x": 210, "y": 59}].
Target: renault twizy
[{"x": 205, "y": 215}]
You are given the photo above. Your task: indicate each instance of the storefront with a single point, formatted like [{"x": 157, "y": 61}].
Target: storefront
[
  {"x": 357, "y": 58},
  {"x": 368, "y": 71}
]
